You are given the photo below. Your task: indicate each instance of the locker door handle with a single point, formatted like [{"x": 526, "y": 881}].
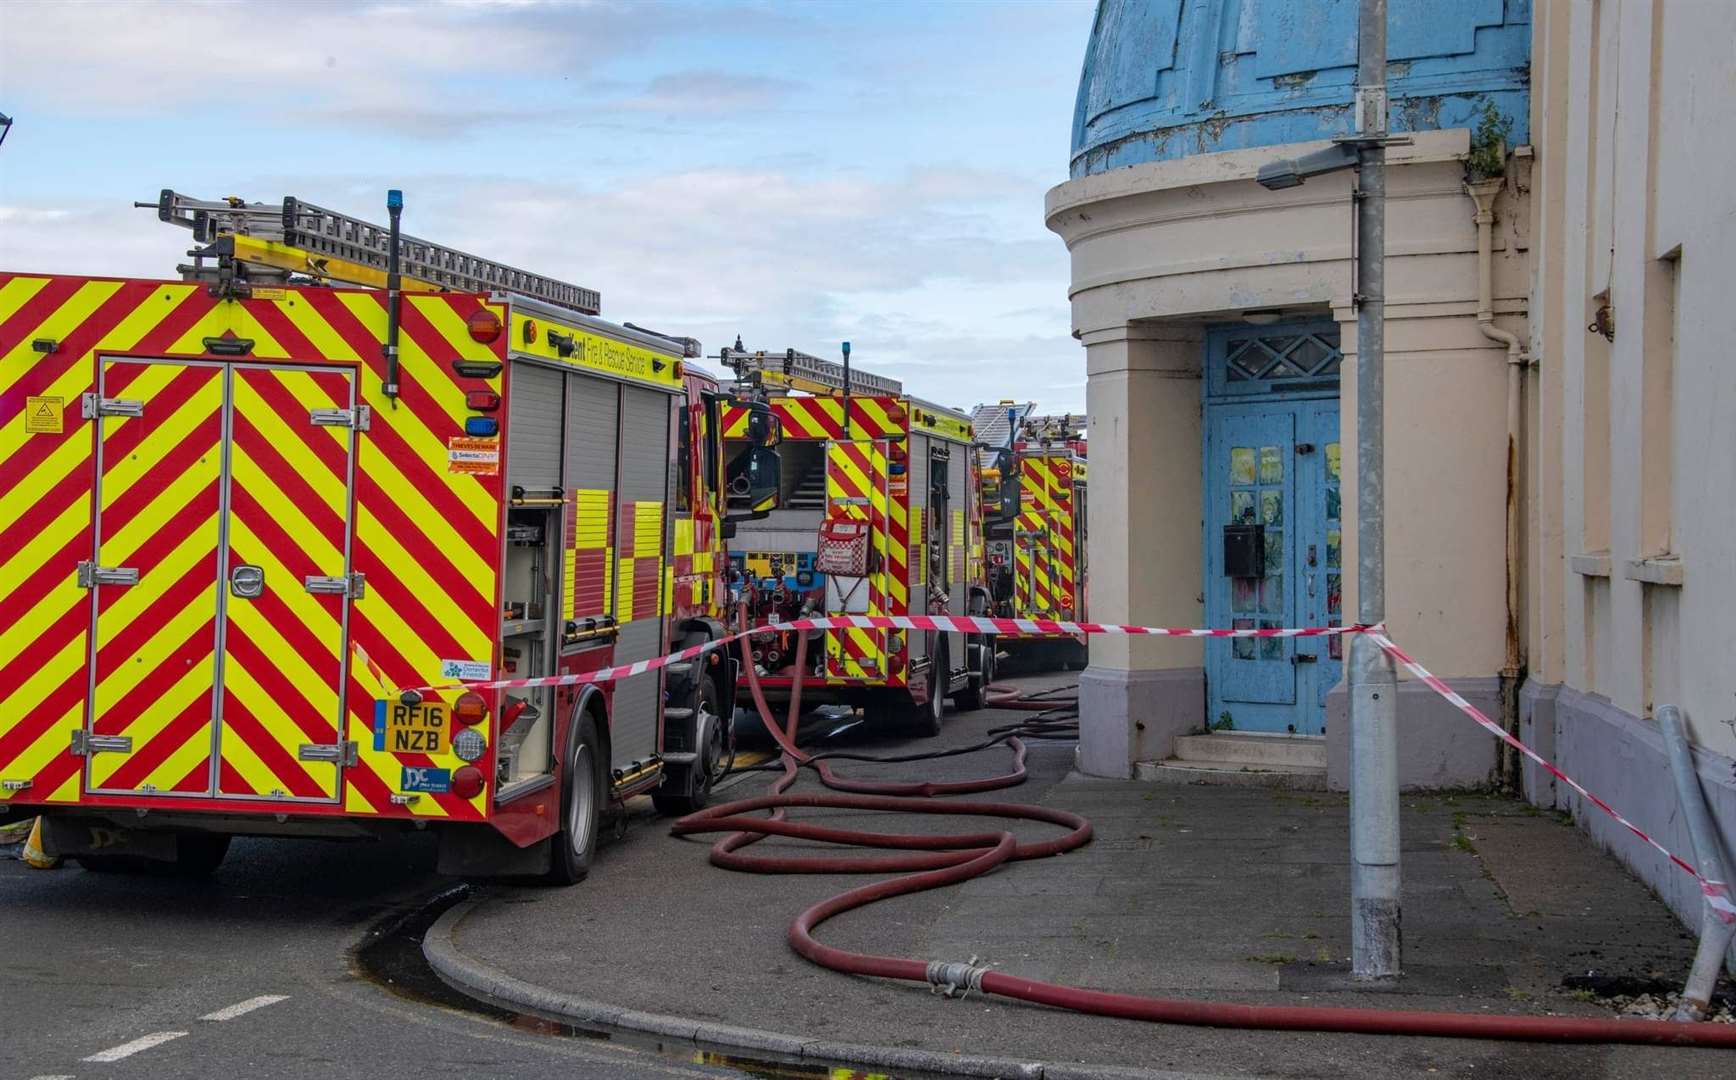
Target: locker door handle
[{"x": 247, "y": 581}]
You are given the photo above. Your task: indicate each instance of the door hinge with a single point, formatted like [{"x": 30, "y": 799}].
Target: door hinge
[
  {"x": 357, "y": 418},
  {"x": 84, "y": 744},
  {"x": 343, "y": 753},
  {"x": 354, "y": 586},
  {"x": 90, "y": 575},
  {"x": 92, "y": 406}
]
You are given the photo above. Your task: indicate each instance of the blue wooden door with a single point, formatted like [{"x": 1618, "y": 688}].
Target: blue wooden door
[
  {"x": 1319, "y": 558},
  {"x": 1273, "y": 464},
  {"x": 1254, "y": 484}
]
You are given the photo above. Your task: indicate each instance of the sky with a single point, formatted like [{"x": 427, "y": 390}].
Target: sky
[{"x": 800, "y": 174}]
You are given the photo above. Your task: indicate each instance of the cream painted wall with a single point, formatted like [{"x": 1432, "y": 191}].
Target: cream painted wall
[
  {"x": 1142, "y": 400},
  {"x": 1645, "y": 182}
]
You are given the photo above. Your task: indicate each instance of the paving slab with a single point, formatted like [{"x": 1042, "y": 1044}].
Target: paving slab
[{"x": 1192, "y": 891}]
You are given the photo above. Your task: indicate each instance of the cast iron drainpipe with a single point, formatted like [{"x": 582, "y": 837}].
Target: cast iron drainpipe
[
  {"x": 1483, "y": 193},
  {"x": 1715, "y": 931},
  {"x": 938, "y": 860}
]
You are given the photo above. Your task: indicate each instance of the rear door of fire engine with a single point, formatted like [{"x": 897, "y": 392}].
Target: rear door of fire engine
[
  {"x": 221, "y": 584},
  {"x": 858, "y": 482}
]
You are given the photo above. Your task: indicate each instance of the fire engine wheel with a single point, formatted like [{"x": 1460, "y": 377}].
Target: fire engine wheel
[
  {"x": 196, "y": 855},
  {"x": 925, "y": 719},
  {"x": 713, "y": 761},
  {"x": 972, "y": 696},
  {"x": 581, "y": 806}
]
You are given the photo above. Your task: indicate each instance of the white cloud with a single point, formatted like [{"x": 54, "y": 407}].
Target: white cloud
[{"x": 954, "y": 302}]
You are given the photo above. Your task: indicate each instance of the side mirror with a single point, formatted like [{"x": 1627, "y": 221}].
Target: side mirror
[
  {"x": 755, "y": 479},
  {"x": 761, "y": 424},
  {"x": 1011, "y": 484}
]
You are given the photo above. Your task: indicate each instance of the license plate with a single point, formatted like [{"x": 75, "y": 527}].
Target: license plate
[{"x": 410, "y": 729}]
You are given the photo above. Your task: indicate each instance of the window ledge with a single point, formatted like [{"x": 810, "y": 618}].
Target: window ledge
[
  {"x": 1665, "y": 570},
  {"x": 1590, "y": 564}
]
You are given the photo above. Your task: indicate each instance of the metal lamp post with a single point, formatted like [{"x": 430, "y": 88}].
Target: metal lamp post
[{"x": 1374, "y": 828}]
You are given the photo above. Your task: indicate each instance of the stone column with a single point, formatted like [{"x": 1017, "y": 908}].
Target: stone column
[{"x": 1143, "y": 400}]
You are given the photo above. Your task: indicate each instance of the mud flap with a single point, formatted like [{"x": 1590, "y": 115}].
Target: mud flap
[
  {"x": 479, "y": 851},
  {"x": 70, "y": 837}
]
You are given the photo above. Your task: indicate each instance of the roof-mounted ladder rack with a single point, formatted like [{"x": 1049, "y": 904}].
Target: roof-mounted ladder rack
[
  {"x": 327, "y": 244},
  {"x": 797, "y": 368}
]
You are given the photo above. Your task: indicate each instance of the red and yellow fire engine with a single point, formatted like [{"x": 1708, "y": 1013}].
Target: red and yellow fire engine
[
  {"x": 1034, "y": 521},
  {"x": 887, "y": 482},
  {"x": 241, "y": 509}
]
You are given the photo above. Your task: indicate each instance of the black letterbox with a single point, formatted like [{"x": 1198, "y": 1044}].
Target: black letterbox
[{"x": 1245, "y": 551}]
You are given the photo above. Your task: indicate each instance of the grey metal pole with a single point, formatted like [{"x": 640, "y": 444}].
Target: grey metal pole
[{"x": 1374, "y": 839}]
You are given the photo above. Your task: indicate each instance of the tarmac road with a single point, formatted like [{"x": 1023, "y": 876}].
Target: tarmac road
[{"x": 250, "y": 974}]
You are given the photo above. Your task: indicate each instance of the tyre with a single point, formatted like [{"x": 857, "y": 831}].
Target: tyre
[
  {"x": 925, "y": 719},
  {"x": 713, "y": 758},
  {"x": 196, "y": 855},
  {"x": 582, "y": 793},
  {"x": 973, "y": 696}
]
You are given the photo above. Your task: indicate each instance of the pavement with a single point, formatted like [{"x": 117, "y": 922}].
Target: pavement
[{"x": 1220, "y": 893}]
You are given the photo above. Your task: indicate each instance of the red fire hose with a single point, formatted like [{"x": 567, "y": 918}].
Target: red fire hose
[{"x": 931, "y": 861}]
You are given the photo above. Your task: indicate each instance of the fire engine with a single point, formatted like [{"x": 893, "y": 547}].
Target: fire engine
[
  {"x": 1034, "y": 522},
  {"x": 242, "y": 508},
  {"x": 878, "y": 514}
]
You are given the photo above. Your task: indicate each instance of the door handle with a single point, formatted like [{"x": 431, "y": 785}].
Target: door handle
[
  {"x": 247, "y": 581},
  {"x": 1304, "y": 658}
]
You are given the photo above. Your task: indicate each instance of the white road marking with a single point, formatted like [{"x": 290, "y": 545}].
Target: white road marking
[
  {"x": 242, "y": 1008},
  {"x": 126, "y": 1050},
  {"x": 56, "y": 1077}
]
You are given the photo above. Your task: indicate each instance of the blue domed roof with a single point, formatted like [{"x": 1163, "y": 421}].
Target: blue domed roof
[{"x": 1166, "y": 78}]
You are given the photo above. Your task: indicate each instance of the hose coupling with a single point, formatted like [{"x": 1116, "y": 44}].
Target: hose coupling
[{"x": 955, "y": 979}]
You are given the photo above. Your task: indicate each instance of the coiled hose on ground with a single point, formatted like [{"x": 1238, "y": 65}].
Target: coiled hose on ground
[{"x": 930, "y": 861}]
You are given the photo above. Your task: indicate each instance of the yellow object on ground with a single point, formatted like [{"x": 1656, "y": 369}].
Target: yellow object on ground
[{"x": 34, "y": 856}]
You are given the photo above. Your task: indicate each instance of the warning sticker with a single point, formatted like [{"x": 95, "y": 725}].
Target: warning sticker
[
  {"x": 44, "y": 415},
  {"x": 263, "y": 293},
  {"x": 478, "y": 457}
]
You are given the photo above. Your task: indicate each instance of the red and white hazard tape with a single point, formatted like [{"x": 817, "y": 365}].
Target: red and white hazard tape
[
  {"x": 962, "y": 623},
  {"x": 1717, "y": 893}
]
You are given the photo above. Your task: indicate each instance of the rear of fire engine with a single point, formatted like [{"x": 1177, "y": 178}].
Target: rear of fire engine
[
  {"x": 245, "y": 509},
  {"x": 879, "y": 516},
  {"x": 1034, "y": 522}
]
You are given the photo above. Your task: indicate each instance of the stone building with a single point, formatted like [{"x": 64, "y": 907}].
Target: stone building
[
  {"x": 1557, "y": 548},
  {"x": 1217, "y": 318},
  {"x": 1631, "y": 527}
]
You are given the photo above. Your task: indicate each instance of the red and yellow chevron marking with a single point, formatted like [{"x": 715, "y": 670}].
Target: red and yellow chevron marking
[
  {"x": 283, "y": 651},
  {"x": 589, "y": 560},
  {"x": 641, "y": 561},
  {"x": 425, "y": 537},
  {"x": 46, "y": 474},
  {"x": 857, "y": 487},
  {"x": 155, "y": 673},
  {"x": 1045, "y": 551},
  {"x": 821, "y": 419}
]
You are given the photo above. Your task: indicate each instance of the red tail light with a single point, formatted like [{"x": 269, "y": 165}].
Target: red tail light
[
  {"x": 484, "y": 326},
  {"x": 482, "y": 400},
  {"x": 467, "y": 782},
  {"x": 470, "y": 708}
]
